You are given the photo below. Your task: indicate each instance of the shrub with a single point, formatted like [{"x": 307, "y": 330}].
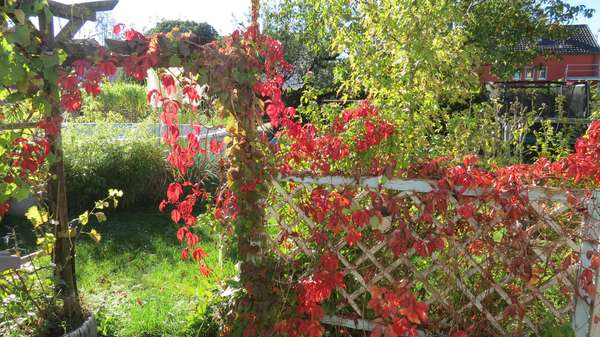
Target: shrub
[
  {"x": 118, "y": 102},
  {"x": 130, "y": 160}
]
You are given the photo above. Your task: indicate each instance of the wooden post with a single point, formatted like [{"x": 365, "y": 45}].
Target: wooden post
[
  {"x": 594, "y": 217},
  {"x": 587, "y": 308},
  {"x": 64, "y": 249}
]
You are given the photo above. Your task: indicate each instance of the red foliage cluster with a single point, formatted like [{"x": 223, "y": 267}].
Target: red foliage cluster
[
  {"x": 505, "y": 186},
  {"x": 398, "y": 310},
  {"x": 323, "y": 150},
  {"x": 312, "y": 292},
  {"x": 29, "y": 154}
]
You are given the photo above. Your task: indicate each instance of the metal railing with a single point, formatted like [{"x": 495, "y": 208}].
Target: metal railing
[{"x": 582, "y": 72}]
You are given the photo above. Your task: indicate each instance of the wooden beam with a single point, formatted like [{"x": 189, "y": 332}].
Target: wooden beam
[
  {"x": 100, "y": 6},
  {"x": 85, "y": 10},
  {"x": 46, "y": 27},
  {"x": 71, "y": 11},
  {"x": 18, "y": 126},
  {"x": 70, "y": 29}
]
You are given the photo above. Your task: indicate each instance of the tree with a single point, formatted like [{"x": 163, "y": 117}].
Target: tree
[
  {"x": 203, "y": 30},
  {"x": 314, "y": 62},
  {"x": 418, "y": 60}
]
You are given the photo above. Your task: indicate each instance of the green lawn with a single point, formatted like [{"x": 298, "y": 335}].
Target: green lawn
[{"x": 136, "y": 282}]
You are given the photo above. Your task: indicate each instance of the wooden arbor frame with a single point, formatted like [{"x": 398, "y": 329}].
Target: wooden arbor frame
[{"x": 64, "y": 248}]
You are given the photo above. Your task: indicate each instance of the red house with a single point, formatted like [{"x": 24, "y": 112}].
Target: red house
[{"x": 575, "y": 59}]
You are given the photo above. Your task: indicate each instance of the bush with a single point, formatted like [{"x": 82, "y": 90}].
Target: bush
[
  {"x": 118, "y": 102},
  {"x": 105, "y": 155},
  {"x": 131, "y": 160}
]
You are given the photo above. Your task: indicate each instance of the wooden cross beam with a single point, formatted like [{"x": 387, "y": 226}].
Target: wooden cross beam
[{"x": 77, "y": 14}]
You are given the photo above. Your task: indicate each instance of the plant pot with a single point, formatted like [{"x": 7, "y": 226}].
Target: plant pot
[
  {"x": 87, "y": 329},
  {"x": 19, "y": 208}
]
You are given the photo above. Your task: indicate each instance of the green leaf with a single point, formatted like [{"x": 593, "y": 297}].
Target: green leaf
[
  {"x": 174, "y": 61},
  {"x": 21, "y": 35},
  {"x": 499, "y": 234},
  {"x": 21, "y": 193},
  {"x": 374, "y": 222}
]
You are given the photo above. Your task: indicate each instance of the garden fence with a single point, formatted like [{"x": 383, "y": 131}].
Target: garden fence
[
  {"x": 122, "y": 130},
  {"x": 460, "y": 286}
]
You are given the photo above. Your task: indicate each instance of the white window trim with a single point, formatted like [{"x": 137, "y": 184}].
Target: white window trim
[
  {"x": 529, "y": 78},
  {"x": 539, "y": 72}
]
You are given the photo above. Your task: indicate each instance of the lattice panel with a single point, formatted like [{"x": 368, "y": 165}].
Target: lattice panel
[{"x": 461, "y": 285}]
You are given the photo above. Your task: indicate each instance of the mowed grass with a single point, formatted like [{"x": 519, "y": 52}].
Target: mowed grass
[{"x": 136, "y": 282}]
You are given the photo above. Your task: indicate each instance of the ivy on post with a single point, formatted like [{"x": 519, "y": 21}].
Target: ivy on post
[{"x": 594, "y": 223}]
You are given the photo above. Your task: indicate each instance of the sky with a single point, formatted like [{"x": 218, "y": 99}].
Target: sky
[
  {"x": 223, "y": 15},
  {"x": 226, "y": 15},
  {"x": 594, "y": 21}
]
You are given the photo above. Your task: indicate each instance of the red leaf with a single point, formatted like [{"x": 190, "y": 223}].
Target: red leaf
[
  {"x": 168, "y": 83},
  {"x": 174, "y": 192},
  {"x": 421, "y": 248},
  {"x": 118, "y": 28},
  {"x": 205, "y": 270},
  {"x": 181, "y": 232},
  {"x": 184, "y": 254},
  {"x": 330, "y": 261},
  {"x": 175, "y": 216},
  {"x": 153, "y": 95},
  {"x": 216, "y": 146},
  {"x": 199, "y": 254}
]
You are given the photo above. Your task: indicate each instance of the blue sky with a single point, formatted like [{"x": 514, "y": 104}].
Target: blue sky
[
  {"x": 593, "y": 22},
  {"x": 226, "y": 15}
]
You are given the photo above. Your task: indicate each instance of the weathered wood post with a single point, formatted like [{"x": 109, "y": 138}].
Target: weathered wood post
[
  {"x": 586, "y": 309},
  {"x": 64, "y": 247}
]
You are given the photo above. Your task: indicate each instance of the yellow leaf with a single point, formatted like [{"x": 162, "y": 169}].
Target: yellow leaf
[
  {"x": 95, "y": 235},
  {"x": 84, "y": 218},
  {"x": 20, "y": 16},
  {"x": 100, "y": 216},
  {"x": 36, "y": 216}
]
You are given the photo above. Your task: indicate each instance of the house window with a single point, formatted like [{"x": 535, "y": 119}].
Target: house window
[
  {"x": 542, "y": 73},
  {"x": 529, "y": 73},
  {"x": 517, "y": 75}
]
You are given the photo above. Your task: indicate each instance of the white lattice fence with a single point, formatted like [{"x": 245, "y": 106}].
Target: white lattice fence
[{"x": 461, "y": 284}]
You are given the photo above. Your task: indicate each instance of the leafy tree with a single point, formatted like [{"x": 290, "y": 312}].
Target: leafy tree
[
  {"x": 314, "y": 62},
  {"x": 418, "y": 60},
  {"x": 202, "y": 29}
]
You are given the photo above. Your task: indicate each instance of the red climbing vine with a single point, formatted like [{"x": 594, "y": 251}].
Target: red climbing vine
[{"x": 244, "y": 77}]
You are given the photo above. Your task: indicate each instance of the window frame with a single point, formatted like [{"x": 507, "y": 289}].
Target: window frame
[
  {"x": 517, "y": 75},
  {"x": 527, "y": 71},
  {"x": 543, "y": 69}
]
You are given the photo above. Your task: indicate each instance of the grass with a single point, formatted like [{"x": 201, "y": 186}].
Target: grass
[{"x": 136, "y": 282}]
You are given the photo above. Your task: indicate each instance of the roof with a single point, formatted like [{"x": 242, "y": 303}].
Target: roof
[{"x": 580, "y": 41}]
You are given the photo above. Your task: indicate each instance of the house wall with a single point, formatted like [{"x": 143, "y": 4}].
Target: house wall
[{"x": 556, "y": 66}]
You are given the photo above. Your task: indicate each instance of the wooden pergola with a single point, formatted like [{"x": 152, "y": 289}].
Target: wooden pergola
[{"x": 64, "y": 250}]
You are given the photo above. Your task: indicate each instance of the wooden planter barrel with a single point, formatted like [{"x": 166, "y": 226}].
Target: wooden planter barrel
[{"x": 87, "y": 329}]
